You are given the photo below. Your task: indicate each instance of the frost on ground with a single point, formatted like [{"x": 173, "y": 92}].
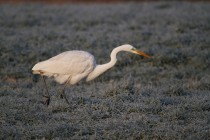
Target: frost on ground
[{"x": 166, "y": 97}]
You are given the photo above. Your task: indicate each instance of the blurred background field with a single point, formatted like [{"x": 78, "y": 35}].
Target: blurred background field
[
  {"x": 86, "y": 1},
  {"x": 166, "y": 97}
]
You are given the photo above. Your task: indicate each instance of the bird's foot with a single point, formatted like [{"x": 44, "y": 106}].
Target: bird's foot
[
  {"x": 46, "y": 100},
  {"x": 62, "y": 94}
]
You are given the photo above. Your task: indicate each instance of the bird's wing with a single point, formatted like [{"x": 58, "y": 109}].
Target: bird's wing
[{"x": 71, "y": 63}]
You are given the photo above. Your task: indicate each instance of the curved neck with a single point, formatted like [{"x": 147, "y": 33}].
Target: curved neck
[{"x": 99, "y": 69}]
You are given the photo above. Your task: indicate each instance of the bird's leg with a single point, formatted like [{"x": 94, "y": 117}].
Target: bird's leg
[
  {"x": 62, "y": 94},
  {"x": 46, "y": 97}
]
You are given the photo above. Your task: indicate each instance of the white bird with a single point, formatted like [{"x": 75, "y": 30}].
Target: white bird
[{"x": 72, "y": 66}]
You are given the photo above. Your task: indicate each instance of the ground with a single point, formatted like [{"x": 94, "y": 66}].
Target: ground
[{"x": 165, "y": 97}]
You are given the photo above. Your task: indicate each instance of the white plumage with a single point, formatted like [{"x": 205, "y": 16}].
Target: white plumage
[{"x": 72, "y": 66}]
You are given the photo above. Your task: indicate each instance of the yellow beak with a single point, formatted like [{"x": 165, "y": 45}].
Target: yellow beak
[{"x": 141, "y": 53}]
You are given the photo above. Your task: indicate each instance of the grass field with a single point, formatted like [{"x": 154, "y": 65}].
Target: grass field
[{"x": 166, "y": 97}]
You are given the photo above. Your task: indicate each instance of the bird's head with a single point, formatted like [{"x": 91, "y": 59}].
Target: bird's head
[{"x": 132, "y": 49}]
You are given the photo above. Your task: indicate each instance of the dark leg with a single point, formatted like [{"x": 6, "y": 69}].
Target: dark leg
[
  {"x": 46, "y": 99},
  {"x": 62, "y": 94}
]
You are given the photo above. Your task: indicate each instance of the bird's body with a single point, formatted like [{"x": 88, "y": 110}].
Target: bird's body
[{"x": 71, "y": 66}]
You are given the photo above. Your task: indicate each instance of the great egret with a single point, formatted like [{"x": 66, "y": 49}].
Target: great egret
[{"x": 71, "y": 66}]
